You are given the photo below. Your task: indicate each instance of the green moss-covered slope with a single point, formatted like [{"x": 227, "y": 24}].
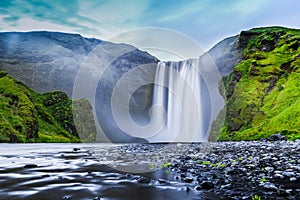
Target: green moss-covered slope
[
  {"x": 263, "y": 91},
  {"x": 27, "y": 116}
]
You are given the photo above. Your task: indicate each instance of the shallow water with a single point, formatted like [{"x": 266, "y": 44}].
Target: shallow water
[{"x": 84, "y": 171}]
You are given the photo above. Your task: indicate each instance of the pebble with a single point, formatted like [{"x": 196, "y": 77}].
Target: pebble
[
  {"x": 207, "y": 185},
  {"x": 198, "y": 188},
  {"x": 270, "y": 186},
  {"x": 292, "y": 179},
  {"x": 30, "y": 166},
  {"x": 162, "y": 181},
  {"x": 144, "y": 180},
  {"x": 188, "y": 179},
  {"x": 279, "y": 176},
  {"x": 237, "y": 170},
  {"x": 289, "y": 174}
]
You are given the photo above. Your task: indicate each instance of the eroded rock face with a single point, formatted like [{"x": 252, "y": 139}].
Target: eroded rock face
[
  {"x": 226, "y": 54},
  {"x": 45, "y": 61},
  {"x": 267, "y": 71}
]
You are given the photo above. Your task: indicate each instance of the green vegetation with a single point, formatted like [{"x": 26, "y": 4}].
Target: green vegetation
[
  {"x": 208, "y": 163},
  {"x": 256, "y": 197},
  {"x": 263, "y": 180},
  {"x": 166, "y": 165},
  {"x": 205, "y": 163},
  {"x": 152, "y": 166},
  {"x": 263, "y": 91},
  {"x": 27, "y": 116}
]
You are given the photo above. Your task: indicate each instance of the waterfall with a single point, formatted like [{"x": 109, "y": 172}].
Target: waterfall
[{"x": 177, "y": 90}]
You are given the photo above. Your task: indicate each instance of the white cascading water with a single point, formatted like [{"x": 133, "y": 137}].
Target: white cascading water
[{"x": 178, "y": 91}]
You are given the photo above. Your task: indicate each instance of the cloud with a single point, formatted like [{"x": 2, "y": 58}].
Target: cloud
[
  {"x": 206, "y": 21},
  {"x": 62, "y": 13}
]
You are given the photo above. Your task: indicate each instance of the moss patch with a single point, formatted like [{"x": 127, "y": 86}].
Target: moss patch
[
  {"x": 27, "y": 116},
  {"x": 263, "y": 91}
]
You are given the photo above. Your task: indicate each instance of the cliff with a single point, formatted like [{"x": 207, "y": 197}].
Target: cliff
[{"x": 262, "y": 91}]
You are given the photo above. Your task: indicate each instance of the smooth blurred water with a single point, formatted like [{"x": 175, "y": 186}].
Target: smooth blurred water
[
  {"x": 88, "y": 171},
  {"x": 178, "y": 91}
]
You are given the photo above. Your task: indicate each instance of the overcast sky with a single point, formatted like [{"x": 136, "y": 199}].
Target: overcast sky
[{"x": 206, "y": 21}]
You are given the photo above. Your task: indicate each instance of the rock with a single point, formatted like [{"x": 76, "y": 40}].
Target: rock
[
  {"x": 162, "y": 181},
  {"x": 198, "y": 188},
  {"x": 207, "y": 185},
  {"x": 293, "y": 179},
  {"x": 263, "y": 140},
  {"x": 279, "y": 176},
  {"x": 187, "y": 189},
  {"x": 30, "y": 166},
  {"x": 228, "y": 186},
  {"x": 276, "y": 137},
  {"x": 128, "y": 176},
  {"x": 76, "y": 149},
  {"x": 288, "y": 174},
  {"x": 269, "y": 169},
  {"x": 270, "y": 186},
  {"x": 232, "y": 171},
  {"x": 188, "y": 180},
  {"x": 144, "y": 180}
]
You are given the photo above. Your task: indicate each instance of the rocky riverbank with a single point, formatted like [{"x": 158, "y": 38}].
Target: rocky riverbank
[
  {"x": 226, "y": 170},
  {"x": 240, "y": 170},
  {"x": 243, "y": 170}
]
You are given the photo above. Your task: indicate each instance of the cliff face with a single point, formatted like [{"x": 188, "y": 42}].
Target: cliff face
[
  {"x": 262, "y": 92},
  {"x": 27, "y": 116},
  {"x": 45, "y": 61},
  {"x": 260, "y": 70},
  {"x": 48, "y": 61}
]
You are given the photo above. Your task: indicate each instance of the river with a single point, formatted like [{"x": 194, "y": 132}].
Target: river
[{"x": 91, "y": 171}]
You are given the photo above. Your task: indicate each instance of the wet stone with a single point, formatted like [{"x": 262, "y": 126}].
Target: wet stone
[
  {"x": 270, "y": 186},
  {"x": 128, "y": 176},
  {"x": 162, "y": 181},
  {"x": 187, "y": 189},
  {"x": 144, "y": 180},
  {"x": 30, "y": 166},
  {"x": 198, "y": 188},
  {"x": 279, "y": 176},
  {"x": 288, "y": 174},
  {"x": 293, "y": 179},
  {"x": 207, "y": 185},
  {"x": 188, "y": 180}
]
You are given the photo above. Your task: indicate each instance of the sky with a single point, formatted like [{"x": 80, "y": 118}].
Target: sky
[{"x": 204, "y": 21}]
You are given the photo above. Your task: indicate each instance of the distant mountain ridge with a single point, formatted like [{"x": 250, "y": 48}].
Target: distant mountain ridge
[
  {"x": 45, "y": 61},
  {"x": 48, "y": 61}
]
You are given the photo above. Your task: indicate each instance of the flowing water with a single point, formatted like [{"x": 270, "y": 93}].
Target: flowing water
[
  {"x": 178, "y": 91},
  {"x": 90, "y": 171}
]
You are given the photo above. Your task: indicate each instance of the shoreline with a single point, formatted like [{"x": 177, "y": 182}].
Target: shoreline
[{"x": 218, "y": 170}]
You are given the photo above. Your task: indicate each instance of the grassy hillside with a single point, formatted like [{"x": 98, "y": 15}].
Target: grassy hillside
[
  {"x": 27, "y": 116},
  {"x": 263, "y": 91}
]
